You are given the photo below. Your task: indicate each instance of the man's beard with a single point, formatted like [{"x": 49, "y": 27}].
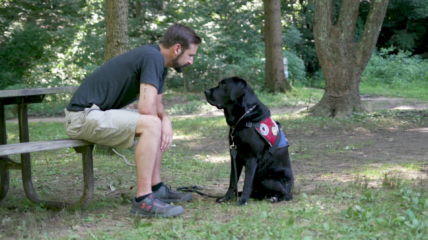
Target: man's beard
[{"x": 176, "y": 65}]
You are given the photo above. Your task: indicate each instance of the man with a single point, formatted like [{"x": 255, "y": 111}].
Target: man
[{"x": 94, "y": 113}]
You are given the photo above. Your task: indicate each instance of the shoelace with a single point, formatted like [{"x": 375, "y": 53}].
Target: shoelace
[
  {"x": 159, "y": 201},
  {"x": 169, "y": 189}
]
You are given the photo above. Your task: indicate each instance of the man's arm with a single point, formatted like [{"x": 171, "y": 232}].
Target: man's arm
[
  {"x": 159, "y": 106},
  {"x": 167, "y": 133},
  {"x": 148, "y": 98},
  {"x": 150, "y": 103}
]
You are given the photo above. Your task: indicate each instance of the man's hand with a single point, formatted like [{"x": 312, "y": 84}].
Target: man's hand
[{"x": 167, "y": 133}]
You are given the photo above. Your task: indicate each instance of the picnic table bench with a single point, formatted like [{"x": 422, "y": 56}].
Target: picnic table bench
[{"x": 22, "y": 98}]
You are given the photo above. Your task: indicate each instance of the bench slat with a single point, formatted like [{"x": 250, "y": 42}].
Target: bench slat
[{"x": 27, "y": 147}]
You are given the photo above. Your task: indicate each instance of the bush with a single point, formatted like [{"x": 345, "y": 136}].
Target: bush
[
  {"x": 395, "y": 70},
  {"x": 296, "y": 68}
]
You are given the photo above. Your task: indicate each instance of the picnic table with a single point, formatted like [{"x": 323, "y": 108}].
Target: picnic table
[{"x": 22, "y": 98}]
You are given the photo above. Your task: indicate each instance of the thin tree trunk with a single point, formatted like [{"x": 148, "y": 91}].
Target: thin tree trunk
[
  {"x": 275, "y": 77},
  {"x": 117, "y": 39},
  {"x": 343, "y": 60}
]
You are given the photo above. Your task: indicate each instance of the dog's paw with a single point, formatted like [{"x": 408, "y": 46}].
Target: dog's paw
[
  {"x": 288, "y": 197},
  {"x": 224, "y": 199},
  {"x": 242, "y": 201}
]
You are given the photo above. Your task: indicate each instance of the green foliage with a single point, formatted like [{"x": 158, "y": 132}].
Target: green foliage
[
  {"x": 398, "y": 71},
  {"x": 59, "y": 42},
  {"x": 35, "y": 40},
  {"x": 19, "y": 51},
  {"x": 300, "y": 15},
  {"x": 296, "y": 67},
  {"x": 405, "y": 26}
]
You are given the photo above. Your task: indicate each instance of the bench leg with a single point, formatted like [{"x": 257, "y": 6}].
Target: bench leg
[
  {"x": 88, "y": 183},
  {"x": 4, "y": 180},
  {"x": 4, "y": 172},
  {"x": 88, "y": 175}
]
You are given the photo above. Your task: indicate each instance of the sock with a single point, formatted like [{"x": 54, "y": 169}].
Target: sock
[
  {"x": 157, "y": 186},
  {"x": 141, "y": 198}
]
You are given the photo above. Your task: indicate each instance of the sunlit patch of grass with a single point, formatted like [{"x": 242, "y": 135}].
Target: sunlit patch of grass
[
  {"x": 192, "y": 107},
  {"x": 198, "y": 126},
  {"x": 416, "y": 91}
]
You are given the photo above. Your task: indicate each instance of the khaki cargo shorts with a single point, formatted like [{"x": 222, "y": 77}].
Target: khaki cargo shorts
[{"x": 114, "y": 128}]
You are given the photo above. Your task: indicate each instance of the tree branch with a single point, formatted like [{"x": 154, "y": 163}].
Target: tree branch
[
  {"x": 323, "y": 18},
  {"x": 347, "y": 21},
  {"x": 372, "y": 27}
]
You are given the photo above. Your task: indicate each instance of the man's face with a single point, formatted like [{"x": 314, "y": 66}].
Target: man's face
[{"x": 185, "y": 58}]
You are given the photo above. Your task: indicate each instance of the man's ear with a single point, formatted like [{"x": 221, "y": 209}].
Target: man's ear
[
  {"x": 177, "y": 49},
  {"x": 239, "y": 88}
]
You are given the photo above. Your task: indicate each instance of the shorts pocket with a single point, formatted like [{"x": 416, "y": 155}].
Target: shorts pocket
[{"x": 73, "y": 123}]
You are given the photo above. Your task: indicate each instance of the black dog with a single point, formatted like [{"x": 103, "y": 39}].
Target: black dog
[{"x": 260, "y": 147}]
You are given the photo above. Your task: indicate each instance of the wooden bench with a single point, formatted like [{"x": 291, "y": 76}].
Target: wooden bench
[
  {"x": 83, "y": 147},
  {"x": 22, "y": 98}
]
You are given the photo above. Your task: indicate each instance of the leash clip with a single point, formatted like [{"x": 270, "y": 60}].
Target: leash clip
[{"x": 233, "y": 146}]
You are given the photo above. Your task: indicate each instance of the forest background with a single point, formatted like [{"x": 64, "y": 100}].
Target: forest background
[
  {"x": 52, "y": 43},
  {"x": 356, "y": 178}
]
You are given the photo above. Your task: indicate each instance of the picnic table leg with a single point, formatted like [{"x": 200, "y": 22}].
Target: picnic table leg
[{"x": 4, "y": 172}]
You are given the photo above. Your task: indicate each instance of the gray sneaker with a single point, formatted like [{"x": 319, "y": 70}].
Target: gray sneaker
[
  {"x": 170, "y": 196},
  {"x": 152, "y": 206}
]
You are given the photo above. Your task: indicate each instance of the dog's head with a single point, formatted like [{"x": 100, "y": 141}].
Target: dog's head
[
  {"x": 236, "y": 97},
  {"x": 227, "y": 92}
]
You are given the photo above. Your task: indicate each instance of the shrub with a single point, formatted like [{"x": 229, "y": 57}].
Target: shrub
[{"x": 396, "y": 70}]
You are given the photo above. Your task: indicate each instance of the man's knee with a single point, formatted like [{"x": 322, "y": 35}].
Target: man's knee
[{"x": 149, "y": 124}]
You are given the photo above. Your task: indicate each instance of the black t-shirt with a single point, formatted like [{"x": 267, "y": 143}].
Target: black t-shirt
[{"x": 116, "y": 83}]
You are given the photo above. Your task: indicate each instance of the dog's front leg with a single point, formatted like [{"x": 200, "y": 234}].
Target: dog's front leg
[
  {"x": 250, "y": 170},
  {"x": 233, "y": 182}
]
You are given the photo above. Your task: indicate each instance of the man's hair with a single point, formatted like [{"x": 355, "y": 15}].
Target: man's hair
[{"x": 180, "y": 34}]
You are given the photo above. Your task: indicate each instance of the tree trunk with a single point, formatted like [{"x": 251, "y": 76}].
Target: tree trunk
[
  {"x": 343, "y": 60},
  {"x": 275, "y": 77},
  {"x": 117, "y": 39}
]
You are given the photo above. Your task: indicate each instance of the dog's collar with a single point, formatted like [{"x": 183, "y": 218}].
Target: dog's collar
[
  {"x": 233, "y": 128},
  {"x": 249, "y": 110}
]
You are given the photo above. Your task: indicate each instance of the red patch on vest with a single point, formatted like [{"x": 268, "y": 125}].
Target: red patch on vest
[{"x": 269, "y": 130}]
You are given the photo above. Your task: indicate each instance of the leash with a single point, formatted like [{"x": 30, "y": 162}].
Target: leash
[
  {"x": 124, "y": 158},
  {"x": 195, "y": 189}
]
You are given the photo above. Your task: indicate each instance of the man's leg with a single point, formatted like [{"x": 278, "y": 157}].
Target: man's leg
[
  {"x": 146, "y": 204},
  {"x": 162, "y": 191},
  {"x": 156, "y": 177},
  {"x": 149, "y": 130}
]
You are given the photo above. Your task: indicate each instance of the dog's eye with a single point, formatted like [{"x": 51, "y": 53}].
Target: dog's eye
[{"x": 223, "y": 84}]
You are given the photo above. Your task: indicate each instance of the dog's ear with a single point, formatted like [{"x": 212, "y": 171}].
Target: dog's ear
[{"x": 238, "y": 89}]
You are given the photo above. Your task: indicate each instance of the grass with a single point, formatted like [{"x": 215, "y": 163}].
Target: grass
[
  {"x": 366, "y": 198},
  {"x": 412, "y": 91}
]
